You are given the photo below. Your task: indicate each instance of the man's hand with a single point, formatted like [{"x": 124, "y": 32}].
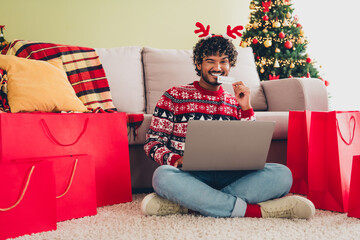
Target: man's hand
[
  {"x": 242, "y": 95},
  {"x": 179, "y": 162}
]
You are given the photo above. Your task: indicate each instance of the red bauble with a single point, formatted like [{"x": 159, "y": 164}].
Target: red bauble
[
  {"x": 266, "y": 18},
  {"x": 255, "y": 41},
  {"x": 290, "y": 76},
  {"x": 288, "y": 44},
  {"x": 308, "y": 75},
  {"x": 298, "y": 25},
  {"x": 257, "y": 57},
  {"x": 281, "y": 35},
  {"x": 308, "y": 60}
]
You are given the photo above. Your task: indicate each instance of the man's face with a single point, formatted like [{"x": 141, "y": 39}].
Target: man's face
[{"x": 212, "y": 67}]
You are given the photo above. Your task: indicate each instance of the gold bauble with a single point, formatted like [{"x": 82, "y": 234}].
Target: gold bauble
[
  {"x": 263, "y": 62},
  {"x": 265, "y": 30},
  {"x": 252, "y": 6},
  {"x": 301, "y": 40},
  {"x": 268, "y": 43},
  {"x": 243, "y": 44},
  {"x": 262, "y": 70},
  {"x": 288, "y": 15},
  {"x": 302, "y": 33},
  {"x": 276, "y": 24},
  {"x": 255, "y": 25},
  {"x": 292, "y": 65},
  {"x": 277, "y": 50}
]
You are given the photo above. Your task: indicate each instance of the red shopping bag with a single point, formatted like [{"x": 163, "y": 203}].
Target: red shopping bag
[
  {"x": 354, "y": 195},
  {"x": 101, "y": 135},
  {"x": 27, "y": 200},
  {"x": 297, "y": 150},
  {"x": 74, "y": 184},
  {"x": 334, "y": 139}
]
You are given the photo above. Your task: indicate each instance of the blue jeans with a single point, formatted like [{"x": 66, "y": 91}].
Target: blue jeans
[{"x": 221, "y": 193}]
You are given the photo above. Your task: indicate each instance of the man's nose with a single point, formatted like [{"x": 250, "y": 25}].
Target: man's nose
[{"x": 216, "y": 67}]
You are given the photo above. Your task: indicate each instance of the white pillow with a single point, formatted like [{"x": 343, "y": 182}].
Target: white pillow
[{"x": 124, "y": 71}]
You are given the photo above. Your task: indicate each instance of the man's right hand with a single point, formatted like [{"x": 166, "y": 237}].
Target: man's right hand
[{"x": 179, "y": 162}]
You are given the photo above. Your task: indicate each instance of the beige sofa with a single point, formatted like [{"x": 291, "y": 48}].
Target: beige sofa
[{"x": 139, "y": 76}]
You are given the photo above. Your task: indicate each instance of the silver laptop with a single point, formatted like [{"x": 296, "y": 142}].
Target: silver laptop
[{"x": 227, "y": 145}]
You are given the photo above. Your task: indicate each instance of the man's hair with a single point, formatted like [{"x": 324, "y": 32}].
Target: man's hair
[{"x": 213, "y": 46}]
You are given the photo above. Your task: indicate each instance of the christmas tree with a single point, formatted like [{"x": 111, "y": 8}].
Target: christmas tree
[
  {"x": 278, "y": 41},
  {"x": 3, "y": 42}
]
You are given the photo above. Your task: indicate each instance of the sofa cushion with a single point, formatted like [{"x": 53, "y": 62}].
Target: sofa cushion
[
  {"x": 124, "y": 71},
  {"x": 166, "y": 68},
  {"x": 35, "y": 85}
]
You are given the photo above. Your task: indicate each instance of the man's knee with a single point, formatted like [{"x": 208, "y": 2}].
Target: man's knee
[
  {"x": 283, "y": 175},
  {"x": 162, "y": 176}
]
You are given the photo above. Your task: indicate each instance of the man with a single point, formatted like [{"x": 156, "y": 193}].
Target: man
[{"x": 258, "y": 193}]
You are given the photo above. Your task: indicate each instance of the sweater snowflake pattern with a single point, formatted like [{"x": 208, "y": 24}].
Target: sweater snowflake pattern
[{"x": 165, "y": 140}]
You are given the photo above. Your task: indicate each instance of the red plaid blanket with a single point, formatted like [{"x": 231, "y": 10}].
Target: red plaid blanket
[
  {"x": 82, "y": 66},
  {"x": 84, "y": 72}
]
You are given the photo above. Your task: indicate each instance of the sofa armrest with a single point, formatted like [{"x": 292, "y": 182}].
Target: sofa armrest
[{"x": 296, "y": 94}]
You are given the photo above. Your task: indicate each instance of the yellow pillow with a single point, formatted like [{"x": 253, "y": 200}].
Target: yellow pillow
[{"x": 35, "y": 85}]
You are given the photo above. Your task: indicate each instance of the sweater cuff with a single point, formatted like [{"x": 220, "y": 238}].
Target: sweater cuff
[
  {"x": 174, "y": 158},
  {"x": 247, "y": 113}
]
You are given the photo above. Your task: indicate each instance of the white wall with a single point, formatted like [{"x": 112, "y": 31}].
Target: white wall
[{"x": 333, "y": 31}]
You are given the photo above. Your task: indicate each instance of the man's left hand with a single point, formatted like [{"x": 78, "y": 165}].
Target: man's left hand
[{"x": 242, "y": 95}]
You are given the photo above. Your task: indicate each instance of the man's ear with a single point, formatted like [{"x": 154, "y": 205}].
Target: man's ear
[{"x": 198, "y": 66}]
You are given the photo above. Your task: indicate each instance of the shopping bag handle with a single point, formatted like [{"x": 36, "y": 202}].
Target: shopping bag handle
[
  {"x": 70, "y": 181},
  {"x": 353, "y": 133},
  {"x": 51, "y": 136},
  {"x": 22, "y": 193}
]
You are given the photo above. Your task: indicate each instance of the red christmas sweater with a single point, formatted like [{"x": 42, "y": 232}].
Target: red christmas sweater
[{"x": 165, "y": 140}]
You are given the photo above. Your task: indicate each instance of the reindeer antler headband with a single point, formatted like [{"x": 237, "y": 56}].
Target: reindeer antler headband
[{"x": 230, "y": 32}]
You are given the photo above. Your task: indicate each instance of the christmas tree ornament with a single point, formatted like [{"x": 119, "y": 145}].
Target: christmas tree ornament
[
  {"x": 265, "y": 30},
  {"x": 308, "y": 60},
  {"x": 266, "y": 5},
  {"x": 255, "y": 25},
  {"x": 288, "y": 44},
  {"x": 276, "y": 64},
  {"x": 257, "y": 58},
  {"x": 308, "y": 75},
  {"x": 262, "y": 70},
  {"x": 252, "y": 6},
  {"x": 277, "y": 50},
  {"x": 292, "y": 65},
  {"x": 290, "y": 76},
  {"x": 276, "y": 24},
  {"x": 268, "y": 43},
  {"x": 255, "y": 41},
  {"x": 301, "y": 40},
  {"x": 285, "y": 23},
  {"x": 263, "y": 62},
  {"x": 302, "y": 33},
  {"x": 288, "y": 15},
  {"x": 265, "y": 18},
  {"x": 281, "y": 35},
  {"x": 243, "y": 44}
]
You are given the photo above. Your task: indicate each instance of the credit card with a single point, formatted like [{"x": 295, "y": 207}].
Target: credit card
[{"x": 223, "y": 79}]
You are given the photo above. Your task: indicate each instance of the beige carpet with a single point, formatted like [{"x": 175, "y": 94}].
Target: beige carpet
[{"x": 125, "y": 221}]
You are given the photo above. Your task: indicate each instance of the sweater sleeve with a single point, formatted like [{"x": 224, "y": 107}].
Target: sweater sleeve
[
  {"x": 160, "y": 132},
  {"x": 247, "y": 115}
]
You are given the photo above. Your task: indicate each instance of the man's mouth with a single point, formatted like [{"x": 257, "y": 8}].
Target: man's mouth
[{"x": 215, "y": 74}]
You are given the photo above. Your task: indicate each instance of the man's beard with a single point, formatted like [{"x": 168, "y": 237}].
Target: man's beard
[{"x": 206, "y": 79}]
